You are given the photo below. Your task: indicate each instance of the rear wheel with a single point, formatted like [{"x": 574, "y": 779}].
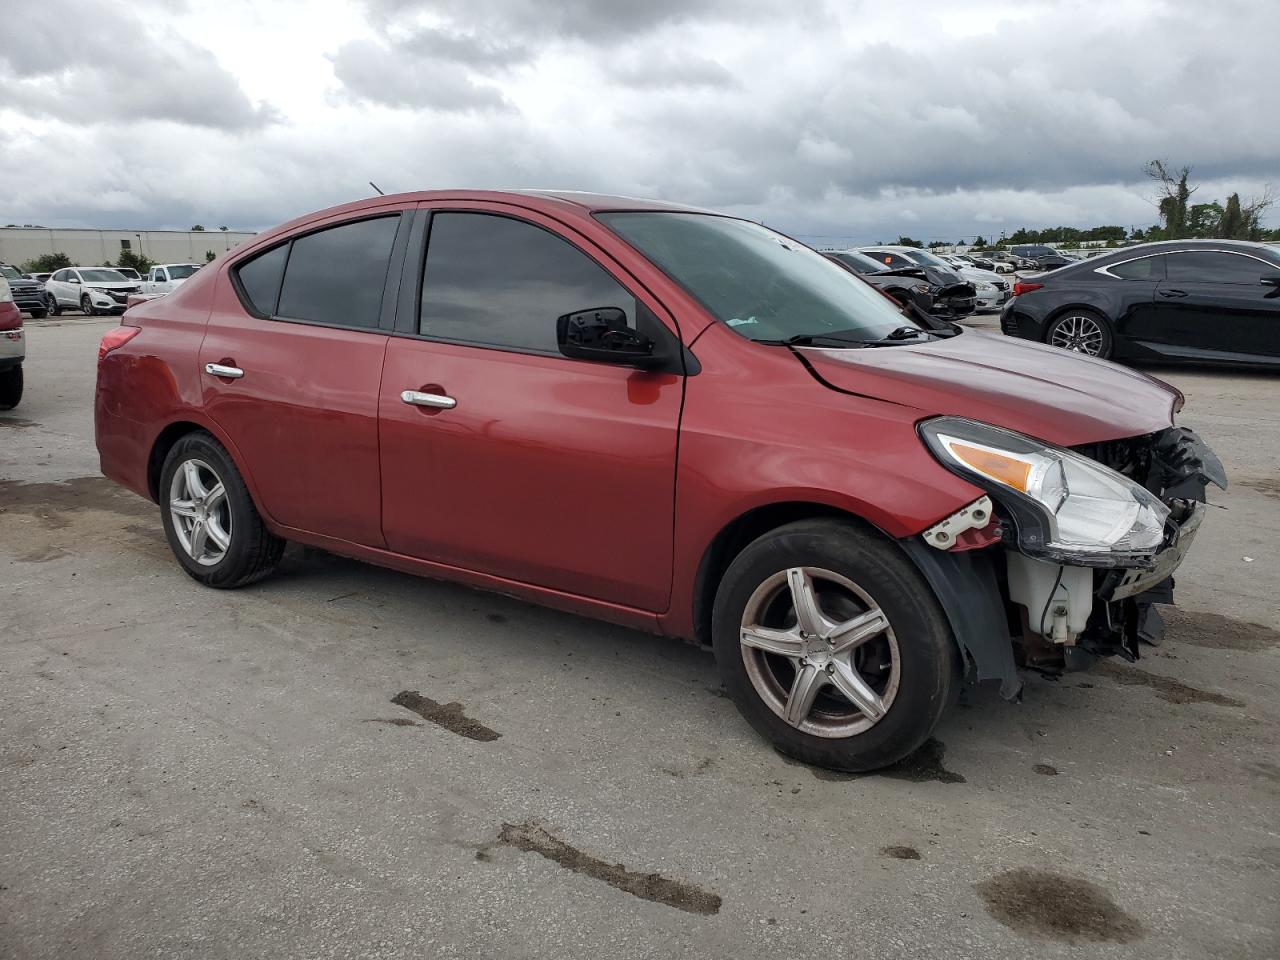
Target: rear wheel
[
  {"x": 1081, "y": 331},
  {"x": 833, "y": 646},
  {"x": 10, "y": 388},
  {"x": 210, "y": 520}
]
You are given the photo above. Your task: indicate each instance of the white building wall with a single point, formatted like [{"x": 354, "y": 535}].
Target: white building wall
[{"x": 88, "y": 248}]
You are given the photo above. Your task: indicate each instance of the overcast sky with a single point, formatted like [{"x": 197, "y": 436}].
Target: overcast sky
[{"x": 834, "y": 121}]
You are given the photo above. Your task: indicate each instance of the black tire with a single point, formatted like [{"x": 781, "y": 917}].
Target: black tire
[
  {"x": 253, "y": 551},
  {"x": 38, "y": 314},
  {"x": 10, "y": 388},
  {"x": 1074, "y": 314},
  {"x": 55, "y": 309},
  {"x": 927, "y": 655},
  {"x": 86, "y": 307}
]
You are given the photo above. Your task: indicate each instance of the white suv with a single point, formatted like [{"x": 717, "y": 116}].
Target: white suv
[{"x": 91, "y": 290}]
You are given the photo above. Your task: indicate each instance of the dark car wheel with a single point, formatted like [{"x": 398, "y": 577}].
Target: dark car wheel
[
  {"x": 38, "y": 314},
  {"x": 833, "y": 646},
  {"x": 54, "y": 309},
  {"x": 211, "y": 522},
  {"x": 10, "y": 388},
  {"x": 86, "y": 307},
  {"x": 1082, "y": 331}
]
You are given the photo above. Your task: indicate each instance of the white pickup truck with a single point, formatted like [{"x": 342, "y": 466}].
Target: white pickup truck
[{"x": 165, "y": 277}]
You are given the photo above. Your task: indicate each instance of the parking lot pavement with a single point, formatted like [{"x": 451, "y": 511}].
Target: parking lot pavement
[{"x": 194, "y": 773}]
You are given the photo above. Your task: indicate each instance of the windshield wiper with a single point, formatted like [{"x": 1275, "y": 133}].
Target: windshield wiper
[{"x": 844, "y": 338}]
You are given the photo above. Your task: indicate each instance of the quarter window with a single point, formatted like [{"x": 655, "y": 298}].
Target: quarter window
[
  {"x": 336, "y": 276},
  {"x": 1213, "y": 266},
  {"x": 1146, "y": 268},
  {"x": 501, "y": 282},
  {"x": 260, "y": 279}
]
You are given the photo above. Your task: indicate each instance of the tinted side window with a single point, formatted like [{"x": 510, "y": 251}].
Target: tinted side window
[
  {"x": 336, "y": 276},
  {"x": 1147, "y": 268},
  {"x": 501, "y": 282},
  {"x": 1209, "y": 266},
  {"x": 260, "y": 279}
]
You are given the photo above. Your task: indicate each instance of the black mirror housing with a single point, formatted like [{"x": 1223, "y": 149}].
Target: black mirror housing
[{"x": 602, "y": 334}]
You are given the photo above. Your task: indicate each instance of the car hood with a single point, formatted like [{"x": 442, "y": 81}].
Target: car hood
[
  {"x": 973, "y": 274},
  {"x": 1048, "y": 393},
  {"x": 111, "y": 284}
]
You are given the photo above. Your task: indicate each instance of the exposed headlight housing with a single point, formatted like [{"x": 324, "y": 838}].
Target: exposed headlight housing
[{"x": 1065, "y": 507}]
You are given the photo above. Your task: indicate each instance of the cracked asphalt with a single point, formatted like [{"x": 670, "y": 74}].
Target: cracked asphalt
[{"x": 186, "y": 773}]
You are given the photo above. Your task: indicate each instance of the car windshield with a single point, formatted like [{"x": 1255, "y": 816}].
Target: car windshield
[
  {"x": 9, "y": 272},
  {"x": 924, "y": 258},
  {"x": 762, "y": 284},
  {"x": 180, "y": 271},
  {"x": 101, "y": 276},
  {"x": 859, "y": 262}
]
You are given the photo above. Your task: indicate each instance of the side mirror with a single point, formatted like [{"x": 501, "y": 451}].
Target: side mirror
[
  {"x": 73, "y": 279},
  {"x": 602, "y": 334}
]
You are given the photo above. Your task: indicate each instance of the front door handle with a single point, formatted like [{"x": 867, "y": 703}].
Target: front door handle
[
  {"x": 1173, "y": 293},
  {"x": 222, "y": 370},
  {"x": 438, "y": 400}
]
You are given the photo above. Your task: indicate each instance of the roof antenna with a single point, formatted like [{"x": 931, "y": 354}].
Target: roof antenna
[{"x": 376, "y": 187}]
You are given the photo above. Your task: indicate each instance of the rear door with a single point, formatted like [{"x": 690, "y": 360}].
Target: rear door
[
  {"x": 291, "y": 362},
  {"x": 536, "y": 468},
  {"x": 1214, "y": 302}
]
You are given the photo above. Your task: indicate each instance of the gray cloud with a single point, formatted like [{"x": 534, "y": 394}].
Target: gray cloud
[
  {"x": 844, "y": 121},
  {"x": 96, "y": 62},
  {"x": 398, "y": 76}
]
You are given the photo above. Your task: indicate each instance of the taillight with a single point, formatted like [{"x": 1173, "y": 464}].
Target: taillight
[
  {"x": 115, "y": 338},
  {"x": 1021, "y": 286}
]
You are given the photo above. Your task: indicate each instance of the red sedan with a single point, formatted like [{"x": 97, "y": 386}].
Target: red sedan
[{"x": 667, "y": 418}]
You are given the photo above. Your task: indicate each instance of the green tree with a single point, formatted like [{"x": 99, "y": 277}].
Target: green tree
[
  {"x": 908, "y": 242},
  {"x": 1230, "y": 223},
  {"x": 224, "y": 229},
  {"x": 47, "y": 263},
  {"x": 1204, "y": 219},
  {"x": 1172, "y": 196},
  {"x": 198, "y": 228},
  {"x": 209, "y": 256},
  {"x": 135, "y": 260},
  {"x": 979, "y": 241}
]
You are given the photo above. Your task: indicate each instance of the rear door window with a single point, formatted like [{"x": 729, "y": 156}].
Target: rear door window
[
  {"x": 1213, "y": 266},
  {"x": 500, "y": 282},
  {"x": 336, "y": 276}
]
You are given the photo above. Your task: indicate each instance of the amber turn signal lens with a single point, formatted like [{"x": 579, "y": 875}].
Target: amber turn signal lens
[{"x": 1006, "y": 469}]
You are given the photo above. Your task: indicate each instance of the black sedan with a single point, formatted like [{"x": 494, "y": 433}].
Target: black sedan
[
  {"x": 1205, "y": 300},
  {"x": 953, "y": 297},
  {"x": 904, "y": 284}
]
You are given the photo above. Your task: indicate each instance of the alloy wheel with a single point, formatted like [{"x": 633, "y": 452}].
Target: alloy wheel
[
  {"x": 820, "y": 652},
  {"x": 1077, "y": 332},
  {"x": 86, "y": 307},
  {"x": 200, "y": 512}
]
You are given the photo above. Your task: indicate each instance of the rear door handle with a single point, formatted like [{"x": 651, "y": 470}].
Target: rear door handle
[
  {"x": 1173, "y": 293},
  {"x": 221, "y": 370},
  {"x": 438, "y": 400}
]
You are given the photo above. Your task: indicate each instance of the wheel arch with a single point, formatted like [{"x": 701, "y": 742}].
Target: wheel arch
[
  {"x": 175, "y": 431},
  {"x": 734, "y": 537}
]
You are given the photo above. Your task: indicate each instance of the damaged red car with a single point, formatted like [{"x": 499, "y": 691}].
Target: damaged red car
[{"x": 665, "y": 418}]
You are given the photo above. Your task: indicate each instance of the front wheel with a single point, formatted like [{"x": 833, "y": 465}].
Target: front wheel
[
  {"x": 86, "y": 306},
  {"x": 55, "y": 309},
  {"x": 1081, "y": 331},
  {"x": 833, "y": 646},
  {"x": 10, "y": 388},
  {"x": 211, "y": 522}
]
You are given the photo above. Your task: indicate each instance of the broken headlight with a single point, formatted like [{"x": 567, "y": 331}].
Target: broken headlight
[{"x": 1065, "y": 507}]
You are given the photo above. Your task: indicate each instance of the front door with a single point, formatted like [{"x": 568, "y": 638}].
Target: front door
[
  {"x": 1213, "y": 302},
  {"x": 290, "y": 365},
  {"x": 525, "y": 464}
]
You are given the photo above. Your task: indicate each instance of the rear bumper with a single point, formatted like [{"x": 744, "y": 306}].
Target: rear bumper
[{"x": 13, "y": 348}]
